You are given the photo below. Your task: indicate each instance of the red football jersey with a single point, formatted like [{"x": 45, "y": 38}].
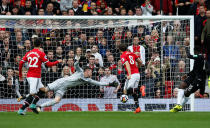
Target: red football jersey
[
  {"x": 131, "y": 58},
  {"x": 35, "y": 58}
]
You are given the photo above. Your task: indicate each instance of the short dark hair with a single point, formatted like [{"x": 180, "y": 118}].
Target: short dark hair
[
  {"x": 10, "y": 68},
  {"x": 50, "y": 51},
  {"x": 92, "y": 56},
  {"x": 37, "y": 42},
  {"x": 86, "y": 68},
  {"x": 122, "y": 47}
]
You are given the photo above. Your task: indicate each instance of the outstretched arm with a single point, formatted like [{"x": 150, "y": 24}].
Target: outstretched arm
[
  {"x": 47, "y": 62},
  {"x": 191, "y": 56},
  {"x": 50, "y": 64},
  {"x": 77, "y": 67},
  {"x": 97, "y": 83},
  {"x": 187, "y": 43}
]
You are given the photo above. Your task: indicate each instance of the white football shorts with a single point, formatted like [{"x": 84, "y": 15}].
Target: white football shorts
[
  {"x": 133, "y": 82},
  {"x": 35, "y": 84}
]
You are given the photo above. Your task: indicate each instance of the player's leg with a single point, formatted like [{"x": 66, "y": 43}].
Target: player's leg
[
  {"x": 37, "y": 96},
  {"x": 33, "y": 82},
  {"x": 134, "y": 91},
  {"x": 27, "y": 102},
  {"x": 180, "y": 96},
  {"x": 59, "y": 94},
  {"x": 41, "y": 91},
  {"x": 52, "y": 86},
  {"x": 191, "y": 89},
  {"x": 125, "y": 87}
]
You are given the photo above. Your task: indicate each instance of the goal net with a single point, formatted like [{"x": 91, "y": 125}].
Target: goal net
[{"x": 158, "y": 41}]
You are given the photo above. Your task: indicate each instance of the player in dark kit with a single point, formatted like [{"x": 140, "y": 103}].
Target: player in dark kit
[
  {"x": 193, "y": 81},
  {"x": 129, "y": 60}
]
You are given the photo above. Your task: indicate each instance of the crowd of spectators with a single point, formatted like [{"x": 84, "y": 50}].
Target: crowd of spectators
[{"x": 161, "y": 50}]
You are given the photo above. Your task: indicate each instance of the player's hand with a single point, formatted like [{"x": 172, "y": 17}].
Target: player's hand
[
  {"x": 19, "y": 99},
  {"x": 113, "y": 84},
  {"x": 128, "y": 77},
  {"x": 202, "y": 41},
  {"x": 184, "y": 77},
  {"x": 82, "y": 59},
  {"x": 60, "y": 60}
]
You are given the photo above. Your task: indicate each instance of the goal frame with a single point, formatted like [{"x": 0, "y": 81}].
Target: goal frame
[{"x": 191, "y": 18}]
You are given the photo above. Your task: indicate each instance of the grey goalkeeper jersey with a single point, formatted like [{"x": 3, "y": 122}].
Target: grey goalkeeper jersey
[{"x": 74, "y": 80}]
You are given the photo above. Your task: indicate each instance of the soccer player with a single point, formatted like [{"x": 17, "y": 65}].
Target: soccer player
[
  {"x": 35, "y": 58},
  {"x": 194, "y": 80},
  {"x": 129, "y": 60},
  {"x": 78, "y": 78}
]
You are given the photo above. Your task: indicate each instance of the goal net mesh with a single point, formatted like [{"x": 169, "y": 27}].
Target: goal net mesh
[{"x": 159, "y": 44}]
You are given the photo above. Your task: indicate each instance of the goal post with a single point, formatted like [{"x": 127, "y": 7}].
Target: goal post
[{"x": 69, "y": 37}]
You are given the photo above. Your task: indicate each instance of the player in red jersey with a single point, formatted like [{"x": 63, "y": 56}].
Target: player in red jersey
[
  {"x": 34, "y": 58},
  {"x": 129, "y": 60}
]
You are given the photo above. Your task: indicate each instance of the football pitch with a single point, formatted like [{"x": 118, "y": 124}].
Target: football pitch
[{"x": 105, "y": 120}]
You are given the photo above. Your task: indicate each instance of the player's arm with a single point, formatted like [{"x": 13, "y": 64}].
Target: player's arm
[
  {"x": 77, "y": 67},
  {"x": 128, "y": 67},
  {"x": 187, "y": 43},
  {"x": 48, "y": 63},
  {"x": 139, "y": 61},
  {"x": 192, "y": 56},
  {"x": 21, "y": 66},
  {"x": 97, "y": 83},
  {"x": 77, "y": 64}
]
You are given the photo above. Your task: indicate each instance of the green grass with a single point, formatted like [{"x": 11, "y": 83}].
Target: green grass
[{"x": 105, "y": 120}]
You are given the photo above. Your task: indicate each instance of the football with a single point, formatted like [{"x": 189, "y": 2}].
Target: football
[{"x": 124, "y": 98}]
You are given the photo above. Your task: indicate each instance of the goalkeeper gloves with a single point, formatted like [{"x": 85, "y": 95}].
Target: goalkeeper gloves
[
  {"x": 82, "y": 59},
  {"x": 113, "y": 84}
]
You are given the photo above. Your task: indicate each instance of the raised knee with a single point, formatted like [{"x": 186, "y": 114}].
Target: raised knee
[
  {"x": 187, "y": 93},
  {"x": 183, "y": 85}
]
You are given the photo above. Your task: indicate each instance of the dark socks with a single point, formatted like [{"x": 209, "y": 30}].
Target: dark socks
[
  {"x": 136, "y": 100},
  {"x": 27, "y": 102},
  {"x": 36, "y": 97},
  {"x": 134, "y": 92}
]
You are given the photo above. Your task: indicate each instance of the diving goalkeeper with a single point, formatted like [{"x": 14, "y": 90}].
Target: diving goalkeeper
[{"x": 78, "y": 78}]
